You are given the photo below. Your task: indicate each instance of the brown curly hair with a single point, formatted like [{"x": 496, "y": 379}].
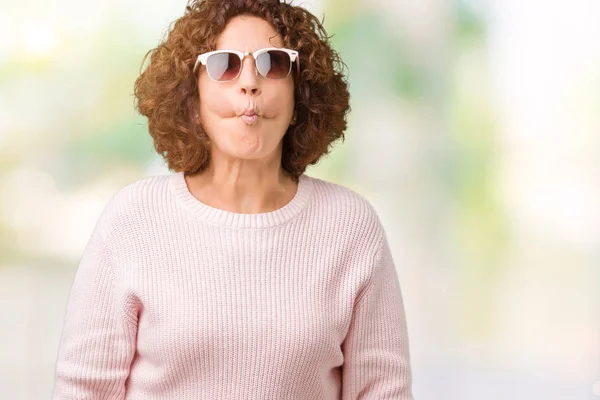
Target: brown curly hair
[{"x": 167, "y": 94}]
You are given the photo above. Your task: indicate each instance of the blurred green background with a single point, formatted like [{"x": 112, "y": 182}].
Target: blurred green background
[{"x": 474, "y": 131}]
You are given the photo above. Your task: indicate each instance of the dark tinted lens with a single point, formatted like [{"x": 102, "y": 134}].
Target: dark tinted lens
[
  {"x": 274, "y": 64},
  {"x": 223, "y": 66}
]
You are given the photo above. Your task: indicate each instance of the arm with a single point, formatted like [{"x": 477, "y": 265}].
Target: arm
[
  {"x": 99, "y": 334},
  {"x": 376, "y": 354}
]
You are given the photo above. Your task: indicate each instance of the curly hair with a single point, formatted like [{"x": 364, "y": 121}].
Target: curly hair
[{"x": 166, "y": 91}]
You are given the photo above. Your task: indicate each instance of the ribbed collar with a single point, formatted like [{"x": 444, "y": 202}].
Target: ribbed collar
[{"x": 237, "y": 220}]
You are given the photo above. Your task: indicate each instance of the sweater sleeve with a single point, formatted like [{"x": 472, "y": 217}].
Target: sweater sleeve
[
  {"x": 376, "y": 354},
  {"x": 99, "y": 337}
]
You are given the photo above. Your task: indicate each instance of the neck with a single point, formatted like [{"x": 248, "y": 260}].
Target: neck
[{"x": 242, "y": 191}]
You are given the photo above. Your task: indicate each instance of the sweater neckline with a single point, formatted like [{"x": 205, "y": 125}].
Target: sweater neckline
[{"x": 241, "y": 220}]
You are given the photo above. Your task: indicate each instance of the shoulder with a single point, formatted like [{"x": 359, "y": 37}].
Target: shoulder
[
  {"x": 140, "y": 192},
  {"x": 344, "y": 198},
  {"x": 346, "y": 209},
  {"x": 134, "y": 200}
]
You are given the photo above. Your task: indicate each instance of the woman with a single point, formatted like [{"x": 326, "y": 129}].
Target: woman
[{"x": 238, "y": 276}]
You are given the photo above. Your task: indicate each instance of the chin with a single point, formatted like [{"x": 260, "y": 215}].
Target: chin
[
  {"x": 246, "y": 151},
  {"x": 253, "y": 152}
]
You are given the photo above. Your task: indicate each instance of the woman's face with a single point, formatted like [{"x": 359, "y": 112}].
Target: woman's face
[{"x": 222, "y": 104}]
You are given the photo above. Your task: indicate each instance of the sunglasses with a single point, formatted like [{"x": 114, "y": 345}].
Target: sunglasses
[{"x": 226, "y": 65}]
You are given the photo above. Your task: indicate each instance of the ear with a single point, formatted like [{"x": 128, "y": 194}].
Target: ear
[{"x": 293, "y": 122}]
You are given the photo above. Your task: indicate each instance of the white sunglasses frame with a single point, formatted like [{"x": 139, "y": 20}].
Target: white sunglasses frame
[{"x": 203, "y": 58}]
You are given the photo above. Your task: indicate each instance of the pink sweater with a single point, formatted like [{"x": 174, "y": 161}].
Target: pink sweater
[{"x": 174, "y": 299}]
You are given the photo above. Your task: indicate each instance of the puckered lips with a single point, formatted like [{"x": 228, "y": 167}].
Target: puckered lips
[{"x": 249, "y": 116}]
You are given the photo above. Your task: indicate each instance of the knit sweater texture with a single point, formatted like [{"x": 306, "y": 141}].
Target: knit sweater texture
[{"x": 175, "y": 299}]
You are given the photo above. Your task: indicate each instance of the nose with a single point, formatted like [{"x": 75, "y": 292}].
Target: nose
[{"x": 248, "y": 79}]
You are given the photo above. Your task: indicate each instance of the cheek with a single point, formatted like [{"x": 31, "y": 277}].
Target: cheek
[
  {"x": 280, "y": 102},
  {"x": 215, "y": 101}
]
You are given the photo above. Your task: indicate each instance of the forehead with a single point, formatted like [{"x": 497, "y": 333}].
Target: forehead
[{"x": 248, "y": 33}]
